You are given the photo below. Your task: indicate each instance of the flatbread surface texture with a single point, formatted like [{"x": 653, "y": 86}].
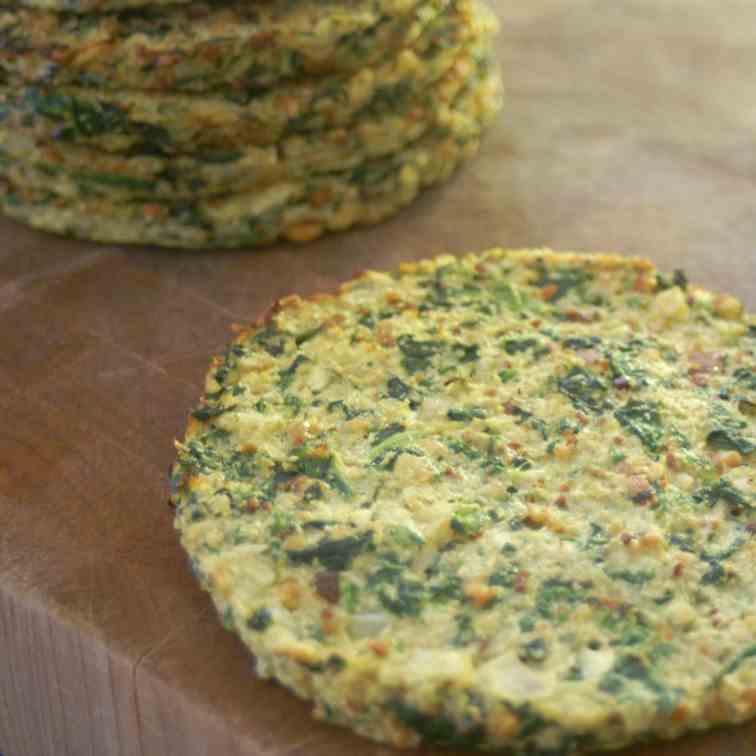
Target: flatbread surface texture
[{"x": 498, "y": 501}]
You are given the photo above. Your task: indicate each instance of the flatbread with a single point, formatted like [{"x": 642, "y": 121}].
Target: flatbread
[
  {"x": 298, "y": 210},
  {"x": 171, "y": 124},
  {"x": 206, "y": 46},
  {"x": 502, "y": 501},
  {"x": 69, "y": 169}
]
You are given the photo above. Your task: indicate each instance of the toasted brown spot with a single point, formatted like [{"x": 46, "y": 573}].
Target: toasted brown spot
[{"x": 327, "y": 586}]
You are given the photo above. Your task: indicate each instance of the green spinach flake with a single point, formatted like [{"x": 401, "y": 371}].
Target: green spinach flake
[
  {"x": 387, "y": 432},
  {"x": 336, "y": 555},
  {"x": 417, "y": 355},
  {"x": 584, "y": 389},
  {"x": 286, "y": 376},
  {"x": 643, "y": 419},
  {"x": 466, "y": 352},
  {"x": 260, "y": 620},
  {"x": 322, "y": 467},
  {"x": 208, "y": 412},
  {"x": 729, "y": 440},
  {"x": 466, "y": 415},
  {"x": 563, "y": 281},
  {"x": 468, "y": 522},
  {"x": 516, "y": 346},
  {"x": 721, "y": 490},
  {"x": 436, "y": 729},
  {"x": 271, "y": 340}
]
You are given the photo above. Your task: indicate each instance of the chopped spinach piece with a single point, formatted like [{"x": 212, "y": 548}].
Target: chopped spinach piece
[
  {"x": 631, "y": 667},
  {"x": 744, "y": 656},
  {"x": 436, "y": 729},
  {"x": 294, "y": 403},
  {"x": 507, "y": 375},
  {"x": 465, "y": 415},
  {"x": 522, "y": 463},
  {"x": 322, "y": 467},
  {"x": 349, "y": 412},
  {"x": 585, "y": 390},
  {"x": 286, "y": 376},
  {"x": 404, "y": 536},
  {"x": 387, "y": 432},
  {"x": 465, "y": 633},
  {"x": 462, "y": 447},
  {"x": 556, "y": 592},
  {"x": 402, "y": 596},
  {"x": 729, "y": 440},
  {"x": 387, "y": 459},
  {"x": 236, "y": 466},
  {"x": 581, "y": 343},
  {"x": 313, "y": 493},
  {"x": 417, "y": 355},
  {"x": 746, "y": 376},
  {"x": 367, "y": 320},
  {"x": 684, "y": 543},
  {"x": 678, "y": 279},
  {"x": 515, "y": 346},
  {"x": 448, "y": 589},
  {"x": 512, "y": 296},
  {"x": 334, "y": 555},
  {"x": 466, "y": 352},
  {"x": 207, "y": 412},
  {"x": 304, "y": 337},
  {"x": 504, "y": 577},
  {"x": 468, "y": 521},
  {"x": 597, "y": 537},
  {"x": 723, "y": 490},
  {"x": 716, "y": 575},
  {"x": 665, "y": 598},
  {"x": 317, "y": 524},
  {"x": 279, "y": 478},
  {"x": 398, "y": 389},
  {"x": 643, "y": 420},
  {"x": 350, "y": 596},
  {"x": 229, "y": 361},
  {"x": 624, "y": 373},
  {"x": 561, "y": 282},
  {"x": 271, "y": 340},
  {"x": 260, "y": 620},
  {"x": 527, "y": 624},
  {"x": 640, "y": 577},
  {"x": 315, "y": 465},
  {"x": 534, "y": 651},
  {"x": 282, "y": 523}
]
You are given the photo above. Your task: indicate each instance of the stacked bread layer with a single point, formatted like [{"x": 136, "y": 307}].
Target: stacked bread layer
[{"x": 235, "y": 124}]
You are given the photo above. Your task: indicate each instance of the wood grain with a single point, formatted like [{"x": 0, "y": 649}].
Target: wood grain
[{"x": 628, "y": 127}]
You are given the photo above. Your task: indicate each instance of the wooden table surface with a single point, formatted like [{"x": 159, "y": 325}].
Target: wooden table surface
[{"x": 629, "y": 126}]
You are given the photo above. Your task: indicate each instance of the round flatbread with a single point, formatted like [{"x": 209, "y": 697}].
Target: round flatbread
[
  {"x": 502, "y": 501},
  {"x": 208, "y": 46},
  {"x": 296, "y": 210},
  {"x": 67, "y": 169},
  {"x": 170, "y": 124}
]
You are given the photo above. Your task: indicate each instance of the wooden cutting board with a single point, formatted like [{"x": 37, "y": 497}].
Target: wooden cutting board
[{"x": 629, "y": 126}]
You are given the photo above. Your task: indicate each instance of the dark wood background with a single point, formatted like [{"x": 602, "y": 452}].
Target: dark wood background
[{"x": 629, "y": 126}]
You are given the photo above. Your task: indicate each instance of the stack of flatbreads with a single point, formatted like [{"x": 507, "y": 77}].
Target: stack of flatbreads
[{"x": 222, "y": 123}]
